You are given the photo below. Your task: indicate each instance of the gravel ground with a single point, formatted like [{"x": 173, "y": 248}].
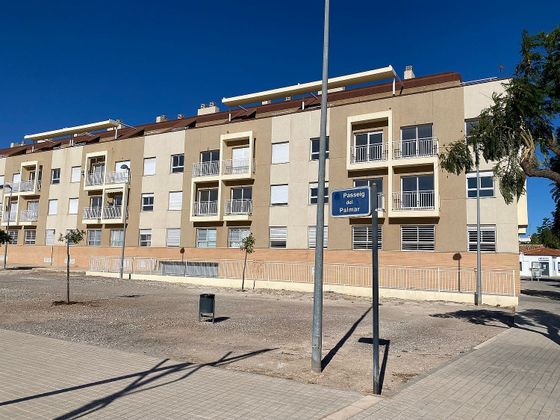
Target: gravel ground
[{"x": 160, "y": 319}]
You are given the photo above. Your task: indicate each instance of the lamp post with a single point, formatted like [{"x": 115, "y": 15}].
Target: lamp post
[
  {"x": 125, "y": 215},
  {"x": 8, "y": 224}
]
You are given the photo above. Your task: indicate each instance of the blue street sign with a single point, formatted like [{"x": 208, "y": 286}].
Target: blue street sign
[{"x": 350, "y": 202}]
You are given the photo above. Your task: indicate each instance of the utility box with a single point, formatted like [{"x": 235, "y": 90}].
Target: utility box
[{"x": 206, "y": 306}]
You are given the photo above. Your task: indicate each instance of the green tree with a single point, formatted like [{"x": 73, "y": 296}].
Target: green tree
[
  {"x": 72, "y": 237},
  {"x": 519, "y": 130},
  {"x": 546, "y": 235},
  {"x": 248, "y": 246},
  {"x": 4, "y": 237}
]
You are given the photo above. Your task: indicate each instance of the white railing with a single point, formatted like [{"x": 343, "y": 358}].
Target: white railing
[
  {"x": 239, "y": 207},
  {"x": 235, "y": 166},
  {"x": 119, "y": 177},
  {"x": 94, "y": 178},
  {"x": 414, "y": 200},
  {"x": 13, "y": 216},
  {"x": 373, "y": 152},
  {"x": 205, "y": 208},
  {"x": 92, "y": 213},
  {"x": 26, "y": 186},
  {"x": 112, "y": 212},
  {"x": 206, "y": 168},
  {"x": 423, "y": 147},
  {"x": 14, "y": 188},
  {"x": 437, "y": 279},
  {"x": 28, "y": 215}
]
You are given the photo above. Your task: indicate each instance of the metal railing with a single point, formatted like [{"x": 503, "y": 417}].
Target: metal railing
[
  {"x": 210, "y": 168},
  {"x": 373, "y": 152},
  {"x": 235, "y": 166},
  {"x": 91, "y": 213},
  {"x": 27, "y": 186},
  {"x": 94, "y": 178},
  {"x": 112, "y": 212},
  {"x": 423, "y": 147},
  {"x": 205, "y": 208},
  {"x": 437, "y": 279},
  {"x": 28, "y": 215},
  {"x": 239, "y": 207},
  {"x": 118, "y": 177},
  {"x": 414, "y": 200},
  {"x": 12, "y": 214}
]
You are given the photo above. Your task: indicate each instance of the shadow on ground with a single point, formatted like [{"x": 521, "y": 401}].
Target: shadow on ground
[
  {"x": 549, "y": 294},
  {"x": 139, "y": 384}
]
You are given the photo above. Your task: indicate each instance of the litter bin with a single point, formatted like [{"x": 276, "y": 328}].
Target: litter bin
[{"x": 206, "y": 306}]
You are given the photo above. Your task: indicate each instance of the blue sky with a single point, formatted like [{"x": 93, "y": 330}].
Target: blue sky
[{"x": 70, "y": 62}]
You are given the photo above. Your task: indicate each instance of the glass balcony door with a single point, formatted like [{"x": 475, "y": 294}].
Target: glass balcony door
[
  {"x": 368, "y": 146},
  {"x": 417, "y": 192}
]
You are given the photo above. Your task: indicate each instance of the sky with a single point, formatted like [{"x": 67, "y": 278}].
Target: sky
[{"x": 66, "y": 63}]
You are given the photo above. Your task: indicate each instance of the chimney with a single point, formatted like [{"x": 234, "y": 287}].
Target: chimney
[
  {"x": 204, "y": 109},
  {"x": 180, "y": 116},
  {"x": 161, "y": 118},
  {"x": 408, "y": 73}
]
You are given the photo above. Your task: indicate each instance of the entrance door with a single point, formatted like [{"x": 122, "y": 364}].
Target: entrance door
[{"x": 545, "y": 267}]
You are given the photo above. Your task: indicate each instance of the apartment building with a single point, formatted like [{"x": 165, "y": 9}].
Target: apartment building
[{"x": 203, "y": 182}]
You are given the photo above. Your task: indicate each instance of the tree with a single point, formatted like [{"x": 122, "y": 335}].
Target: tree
[
  {"x": 4, "y": 237},
  {"x": 518, "y": 131},
  {"x": 545, "y": 235},
  {"x": 247, "y": 245},
  {"x": 72, "y": 236}
]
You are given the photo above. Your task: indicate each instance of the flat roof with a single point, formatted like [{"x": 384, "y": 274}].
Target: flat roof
[{"x": 72, "y": 130}]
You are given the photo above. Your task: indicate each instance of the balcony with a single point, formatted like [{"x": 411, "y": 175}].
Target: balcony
[
  {"x": 210, "y": 168},
  {"x": 236, "y": 167},
  {"x": 119, "y": 177},
  {"x": 92, "y": 213},
  {"x": 26, "y": 216},
  {"x": 29, "y": 186},
  {"x": 371, "y": 153},
  {"x": 205, "y": 208},
  {"x": 415, "y": 148},
  {"x": 112, "y": 213},
  {"x": 94, "y": 179},
  {"x": 238, "y": 207},
  {"x": 414, "y": 200},
  {"x": 13, "y": 216}
]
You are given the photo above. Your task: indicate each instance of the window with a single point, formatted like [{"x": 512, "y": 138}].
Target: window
[
  {"x": 315, "y": 148},
  {"x": 368, "y": 183},
  {"x": 361, "y": 237},
  {"x": 73, "y": 206},
  {"x": 470, "y": 125},
  {"x": 279, "y": 195},
  {"x": 49, "y": 236},
  {"x": 278, "y": 236},
  {"x": 94, "y": 237},
  {"x": 75, "y": 174},
  {"x": 312, "y": 236},
  {"x": 173, "y": 237},
  {"x": 487, "y": 238},
  {"x": 280, "y": 152},
  {"x": 313, "y": 192},
  {"x": 486, "y": 184},
  {"x": 175, "y": 200},
  {"x": 417, "y": 192},
  {"x": 149, "y": 166},
  {"x": 177, "y": 163},
  {"x": 236, "y": 235},
  {"x": 210, "y": 156},
  {"x": 417, "y": 141},
  {"x": 368, "y": 146},
  {"x": 13, "y": 234},
  {"x": 1, "y": 179},
  {"x": 145, "y": 237},
  {"x": 29, "y": 236},
  {"x": 206, "y": 238},
  {"x": 16, "y": 178},
  {"x": 117, "y": 237},
  {"x": 55, "y": 176},
  {"x": 148, "y": 202},
  {"x": 53, "y": 207},
  {"x": 418, "y": 238}
]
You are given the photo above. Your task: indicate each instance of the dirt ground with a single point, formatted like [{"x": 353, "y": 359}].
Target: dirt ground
[{"x": 271, "y": 328}]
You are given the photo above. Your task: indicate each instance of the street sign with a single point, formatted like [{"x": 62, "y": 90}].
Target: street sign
[{"x": 351, "y": 202}]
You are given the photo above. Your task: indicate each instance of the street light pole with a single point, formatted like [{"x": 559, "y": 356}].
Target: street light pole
[
  {"x": 317, "y": 334},
  {"x": 8, "y": 224},
  {"x": 478, "y": 296},
  {"x": 125, "y": 215}
]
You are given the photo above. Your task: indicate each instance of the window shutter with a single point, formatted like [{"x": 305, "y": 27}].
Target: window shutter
[
  {"x": 49, "y": 236},
  {"x": 173, "y": 237},
  {"x": 150, "y": 166},
  {"x": 53, "y": 207},
  {"x": 175, "y": 200},
  {"x": 76, "y": 173},
  {"x": 280, "y": 152},
  {"x": 312, "y": 237},
  {"x": 279, "y": 194},
  {"x": 73, "y": 206}
]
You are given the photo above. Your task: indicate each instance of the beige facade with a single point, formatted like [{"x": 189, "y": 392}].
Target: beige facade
[{"x": 197, "y": 182}]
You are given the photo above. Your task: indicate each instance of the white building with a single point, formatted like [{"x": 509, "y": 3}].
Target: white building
[{"x": 545, "y": 259}]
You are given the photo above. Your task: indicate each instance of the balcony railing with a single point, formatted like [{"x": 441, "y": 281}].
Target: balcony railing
[
  {"x": 210, "y": 168},
  {"x": 236, "y": 166},
  {"x": 424, "y": 147},
  {"x": 13, "y": 216},
  {"x": 414, "y": 200},
  {"x": 26, "y": 186},
  {"x": 239, "y": 207},
  {"x": 112, "y": 212},
  {"x": 119, "y": 177},
  {"x": 205, "y": 208},
  {"x": 371, "y": 153},
  {"x": 28, "y": 216},
  {"x": 94, "y": 178},
  {"x": 92, "y": 213}
]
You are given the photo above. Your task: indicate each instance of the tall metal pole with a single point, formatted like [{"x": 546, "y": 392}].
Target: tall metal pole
[
  {"x": 317, "y": 335},
  {"x": 375, "y": 287},
  {"x": 8, "y": 224},
  {"x": 125, "y": 217},
  {"x": 478, "y": 296}
]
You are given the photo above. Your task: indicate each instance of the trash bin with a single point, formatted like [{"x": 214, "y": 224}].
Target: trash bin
[{"x": 206, "y": 306}]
